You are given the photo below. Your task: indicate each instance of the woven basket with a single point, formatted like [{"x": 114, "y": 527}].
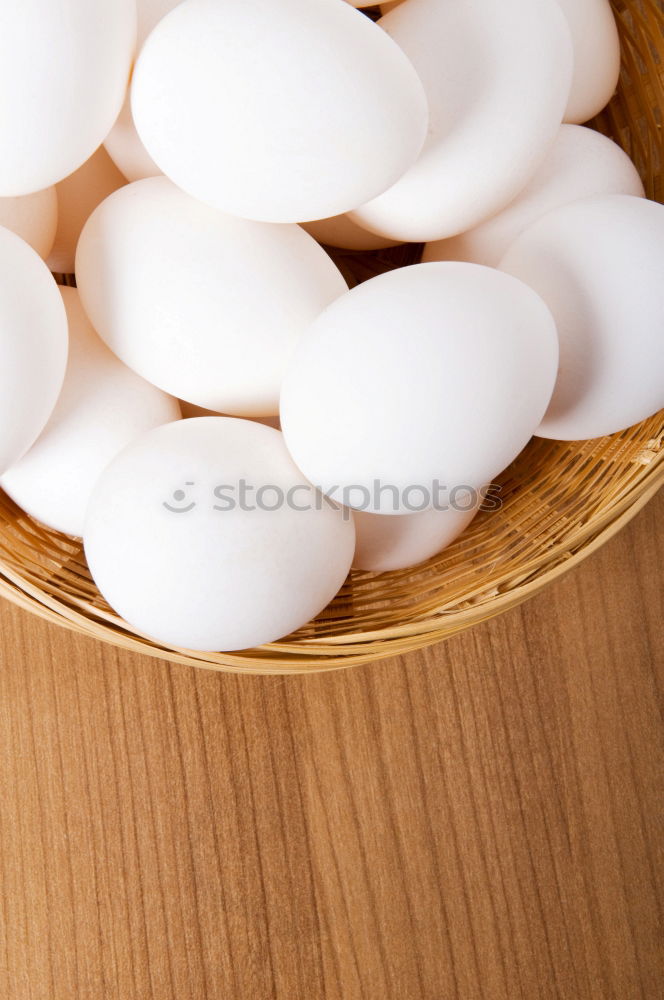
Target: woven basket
[{"x": 561, "y": 500}]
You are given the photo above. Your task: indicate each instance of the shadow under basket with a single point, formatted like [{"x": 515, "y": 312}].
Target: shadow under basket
[{"x": 560, "y": 500}]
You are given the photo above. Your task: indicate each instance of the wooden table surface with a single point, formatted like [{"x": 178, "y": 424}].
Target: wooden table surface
[{"x": 481, "y": 820}]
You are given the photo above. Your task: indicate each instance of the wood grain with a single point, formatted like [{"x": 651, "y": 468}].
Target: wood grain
[{"x": 482, "y": 820}]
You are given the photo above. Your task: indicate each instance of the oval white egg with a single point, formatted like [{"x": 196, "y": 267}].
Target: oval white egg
[
  {"x": 384, "y": 544},
  {"x": 102, "y": 408},
  {"x": 430, "y": 376},
  {"x": 599, "y": 265},
  {"x": 596, "y": 57},
  {"x": 33, "y": 347},
  {"x": 282, "y": 112},
  {"x": 497, "y": 77},
  {"x": 33, "y": 217},
  {"x": 78, "y": 196},
  {"x": 123, "y": 142},
  {"x": 191, "y": 558},
  {"x": 581, "y": 163},
  {"x": 342, "y": 232},
  {"x": 64, "y": 71},
  {"x": 205, "y": 305}
]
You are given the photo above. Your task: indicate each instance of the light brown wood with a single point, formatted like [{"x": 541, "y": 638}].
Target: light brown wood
[{"x": 480, "y": 820}]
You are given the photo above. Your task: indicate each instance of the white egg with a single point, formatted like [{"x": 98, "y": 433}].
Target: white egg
[
  {"x": 204, "y": 305},
  {"x": 33, "y": 217},
  {"x": 190, "y": 556},
  {"x": 33, "y": 346},
  {"x": 78, "y": 196},
  {"x": 599, "y": 265},
  {"x": 581, "y": 163},
  {"x": 385, "y": 543},
  {"x": 102, "y": 408},
  {"x": 428, "y": 377},
  {"x": 596, "y": 57},
  {"x": 340, "y": 231},
  {"x": 64, "y": 71},
  {"x": 281, "y": 112},
  {"x": 497, "y": 76},
  {"x": 123, "y": 142}
]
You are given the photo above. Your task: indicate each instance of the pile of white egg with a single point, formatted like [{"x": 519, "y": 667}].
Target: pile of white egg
[{"x": 187, "y": 161}]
